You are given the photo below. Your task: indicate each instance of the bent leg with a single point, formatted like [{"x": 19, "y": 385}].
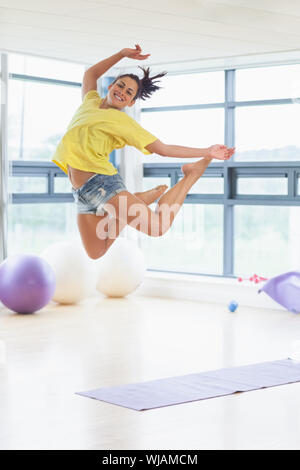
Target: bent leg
[
  {"x": 127, "y": 208},
  {"x": 99, "y": 233},
  {"x": 87, "y": 224},
  {"x": 96, "y": 246}
]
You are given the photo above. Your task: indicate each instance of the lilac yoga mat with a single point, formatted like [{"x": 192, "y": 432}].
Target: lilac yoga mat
[{"x": 193, "y": 387}]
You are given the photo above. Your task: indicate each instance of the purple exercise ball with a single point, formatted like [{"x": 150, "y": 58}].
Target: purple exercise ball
[{"x": 27, "y": 283}]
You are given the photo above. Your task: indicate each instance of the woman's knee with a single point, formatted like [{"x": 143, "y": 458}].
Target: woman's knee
[
  {"x": 94, "y": 253},
  {"x": 93, "y": 245},
  {"x": 155, "y": 226},
  {"x": 162, "y": 225},
  {"x": 158, "y": 230},
  {"x": 138, "y": 215}
]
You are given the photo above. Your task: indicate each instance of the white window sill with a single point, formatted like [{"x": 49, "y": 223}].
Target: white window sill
[{"x": 205, "y": 289}]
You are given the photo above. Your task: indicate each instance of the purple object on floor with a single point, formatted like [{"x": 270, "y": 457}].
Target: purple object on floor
[
  {"x": 285, "y": 289},
  {"x": 27, "y": 283},
  {"x": 193, "y": 387}
]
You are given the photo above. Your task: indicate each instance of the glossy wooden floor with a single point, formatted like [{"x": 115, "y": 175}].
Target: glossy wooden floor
[{"x": 104, "y": 342}]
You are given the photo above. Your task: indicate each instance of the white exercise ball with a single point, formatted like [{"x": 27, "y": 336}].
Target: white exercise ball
[
  {"x": 121, "y": 270},
  {"x": 73, "y": 271}
]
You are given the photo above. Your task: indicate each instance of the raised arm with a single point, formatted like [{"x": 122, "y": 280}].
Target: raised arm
[
  {"x": 92, "y": 74},
  {"x": 220, "y": 152}
]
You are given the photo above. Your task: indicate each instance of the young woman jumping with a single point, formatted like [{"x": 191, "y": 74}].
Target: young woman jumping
[{"x": 104, "y": 205}]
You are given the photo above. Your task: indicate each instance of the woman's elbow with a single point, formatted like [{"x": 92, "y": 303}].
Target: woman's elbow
[{"x": 157, "y": 147}]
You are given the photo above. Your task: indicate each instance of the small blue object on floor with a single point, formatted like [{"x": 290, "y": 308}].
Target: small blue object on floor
[
  {"x": 193, "y": 387},
  {"x": 233, "y": 305}
]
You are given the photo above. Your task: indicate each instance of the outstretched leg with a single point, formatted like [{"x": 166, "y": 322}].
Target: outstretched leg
[{"x": 126, "y": 208}]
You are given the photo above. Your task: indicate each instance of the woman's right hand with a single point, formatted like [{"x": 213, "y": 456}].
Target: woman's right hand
[
  {"x": 220, "y": 152},
  {"x": 134, "y": 53}
]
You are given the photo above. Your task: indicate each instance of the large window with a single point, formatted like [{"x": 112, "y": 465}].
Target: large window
[
  {"x": 267, "y": 114},
  {"x": 204, "y": 126},
  {"x": 188, "y": 89},
  {"x": 38, "y": 114},
  {"x": 266, "y": 239},
  {"x": 45, "y": 68},
  {"x": 241, "y": 217},
  {"x": 32, "y": 227},
  {"x": 43, "y": 95},
  {"x": 268, "y": 133},
  {"x": 193, "y": 244},
  {"x": 268, "y": 83}
]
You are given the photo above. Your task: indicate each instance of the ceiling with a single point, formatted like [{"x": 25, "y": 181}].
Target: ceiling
[{"x": 180, "y": 34}]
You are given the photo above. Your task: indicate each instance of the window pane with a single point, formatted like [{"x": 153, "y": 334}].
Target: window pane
[
  {"x": 196, "y": 88},
  {"x": 269, "y": 186},
  {"x": 268, "y": 83},
  {"x": 199, "y": 129},
  {"x": 62, "y": 185},
  {"x": 149, "y": 183},
  {"x": 27, "y": 184},
  {"x": 193, "y": 244},
  {"x": 47, "y": 68},
  {"x": 208, "y": 185},
  {"x": 38, "y": 115},
  {"x": 266, "y": 240},
  {"x": 33, "y": 227},
  {"x": 267, "y": 133}
]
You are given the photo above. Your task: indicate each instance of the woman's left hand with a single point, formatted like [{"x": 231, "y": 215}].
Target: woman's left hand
[
  {"x": 134, "y": 53},
  {"x": 220, "y": 152}
]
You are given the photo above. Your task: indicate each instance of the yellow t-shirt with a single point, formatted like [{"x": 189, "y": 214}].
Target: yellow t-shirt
[{"x": 94, "y": 133}]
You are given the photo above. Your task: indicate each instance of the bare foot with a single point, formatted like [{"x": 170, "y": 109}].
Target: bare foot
[
  {"x": 196, "y": 169},
  {"x": 150, "y": 196}
]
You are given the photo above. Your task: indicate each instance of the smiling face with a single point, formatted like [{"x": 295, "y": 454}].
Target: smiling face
[{"x": 122, "y": 93}]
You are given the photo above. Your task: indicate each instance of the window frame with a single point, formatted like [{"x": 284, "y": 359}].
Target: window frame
[{"x": 230, "y": 171}]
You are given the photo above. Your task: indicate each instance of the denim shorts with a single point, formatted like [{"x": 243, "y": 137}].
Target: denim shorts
[{"x": 96, "y": 191}]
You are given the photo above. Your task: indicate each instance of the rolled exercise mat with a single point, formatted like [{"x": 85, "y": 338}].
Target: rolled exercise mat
[{"x": 193, "y": 387}]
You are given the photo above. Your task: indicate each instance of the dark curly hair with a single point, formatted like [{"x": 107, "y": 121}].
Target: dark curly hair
[{"x": 146, "y": 85}]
